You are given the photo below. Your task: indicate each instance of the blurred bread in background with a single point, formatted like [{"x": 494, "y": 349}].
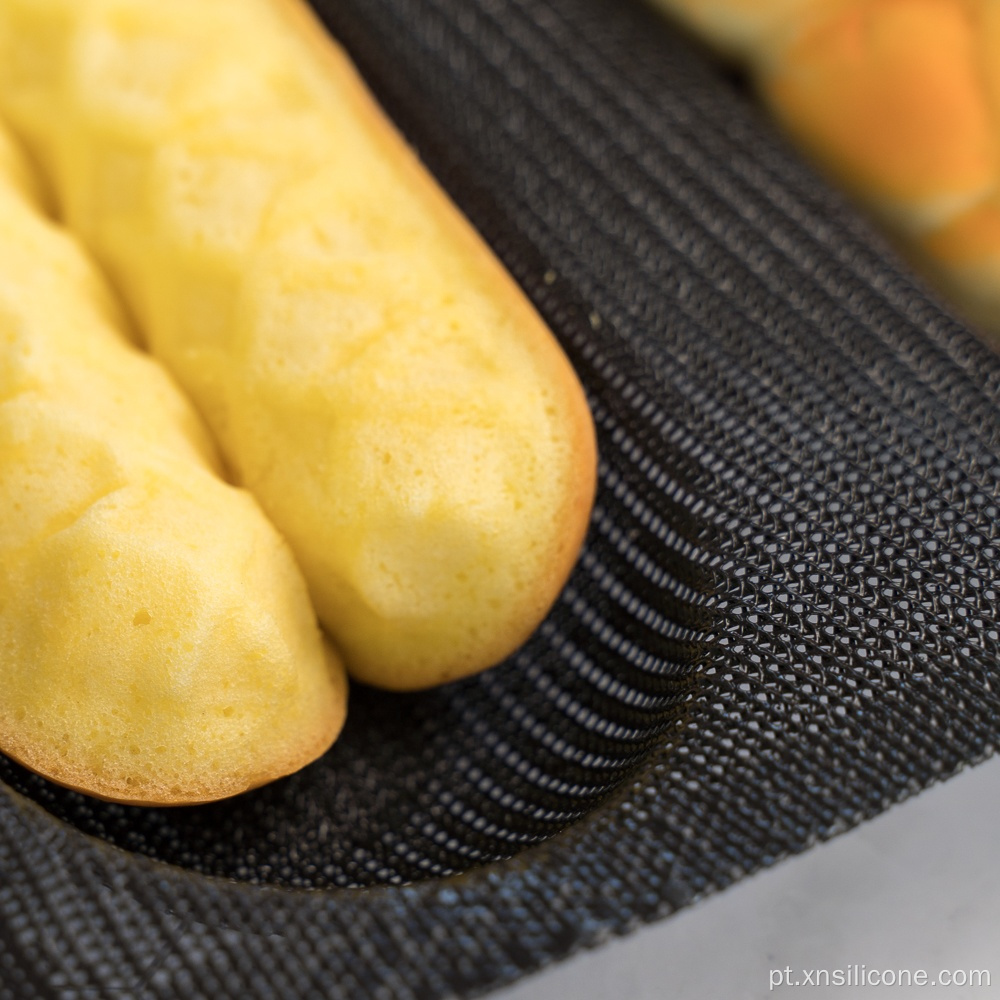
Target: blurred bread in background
[{"x": 899, "y": 102}]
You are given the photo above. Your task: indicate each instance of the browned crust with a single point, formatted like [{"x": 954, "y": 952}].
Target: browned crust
[{"x": 308, "y": 748}]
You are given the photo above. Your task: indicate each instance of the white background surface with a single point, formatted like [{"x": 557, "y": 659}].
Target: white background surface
[{"x": 916, "y": 888}]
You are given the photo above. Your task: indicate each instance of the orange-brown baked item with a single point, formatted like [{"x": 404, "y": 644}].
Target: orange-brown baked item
[{"x": 899, "y": 100}]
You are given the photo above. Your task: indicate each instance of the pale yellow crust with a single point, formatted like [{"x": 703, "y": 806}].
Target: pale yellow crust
[
  {"x": 157, "y": 643},
  {"x": 745, "y": 29}
]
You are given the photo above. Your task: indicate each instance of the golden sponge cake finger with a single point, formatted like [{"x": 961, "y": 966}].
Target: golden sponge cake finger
[
  {"x": 889, "y": 97},
  {"x": 157, "y": 644},
  {"x": 373, "y": 375}
]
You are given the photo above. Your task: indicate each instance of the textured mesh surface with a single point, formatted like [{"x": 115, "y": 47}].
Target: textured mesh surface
[{"x": 784, "y": 621}]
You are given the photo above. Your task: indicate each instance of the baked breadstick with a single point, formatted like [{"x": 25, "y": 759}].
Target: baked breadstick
[
  {"x": 157, "y": 644},
  {"x": 900, "y": 101},
  {"x": 372, "y": 374}
]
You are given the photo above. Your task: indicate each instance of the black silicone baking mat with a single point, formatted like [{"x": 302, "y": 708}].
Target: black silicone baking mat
[{"x": 785, "y": 619}]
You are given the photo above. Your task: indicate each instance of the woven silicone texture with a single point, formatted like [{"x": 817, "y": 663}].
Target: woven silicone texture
[{"x": 795, "y": 543}]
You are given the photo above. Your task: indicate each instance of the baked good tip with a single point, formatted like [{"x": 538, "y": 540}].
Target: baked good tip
[{"x": 157, "y": 644}]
